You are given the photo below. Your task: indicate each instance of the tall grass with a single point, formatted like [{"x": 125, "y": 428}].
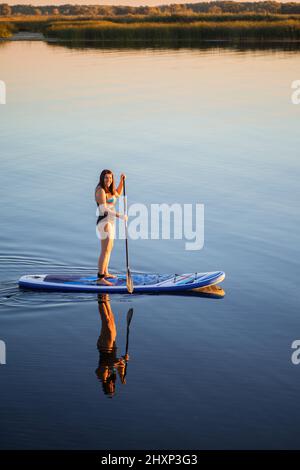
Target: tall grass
[
  {"x": 196, "y": 17},
  {"x": 160, "y": 28},
  {"x": 197, "y": 31}
]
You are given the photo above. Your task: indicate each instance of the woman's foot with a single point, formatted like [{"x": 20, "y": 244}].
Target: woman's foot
[
  {"x": 110, "y": 275},
  {"x": 103, "y": 282}
]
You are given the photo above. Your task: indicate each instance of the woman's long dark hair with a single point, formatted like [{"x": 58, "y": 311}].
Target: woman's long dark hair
[{"x": 112, "y": 188}]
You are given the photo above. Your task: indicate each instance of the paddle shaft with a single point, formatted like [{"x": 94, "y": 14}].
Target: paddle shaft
[
  {"x": 129, "y": 282},
  {"x": 129, "y": 317},
  {"x": 126, "y": 228}
]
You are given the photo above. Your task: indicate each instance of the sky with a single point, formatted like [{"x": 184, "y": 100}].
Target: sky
[
  {"x": 107, "y": 2},
  {"x": 96, "y": 2},
  {"x": 133, "y": 3}
]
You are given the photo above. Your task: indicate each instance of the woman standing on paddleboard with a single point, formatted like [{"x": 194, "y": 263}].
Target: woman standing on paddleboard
[{"x": 106, "y": 196}]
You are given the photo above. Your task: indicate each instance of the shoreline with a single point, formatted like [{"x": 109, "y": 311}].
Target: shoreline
[
  {"x": 25, "y": 36},
  {"x": 33, "y": 36}
]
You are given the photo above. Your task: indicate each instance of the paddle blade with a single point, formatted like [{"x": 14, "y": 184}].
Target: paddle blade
[{"x": 129, "y": 282}]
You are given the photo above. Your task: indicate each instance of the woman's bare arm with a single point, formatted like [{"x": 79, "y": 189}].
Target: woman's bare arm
[
  {"x": 100, "y": 197},
  {"x": 121, "y": 184}
]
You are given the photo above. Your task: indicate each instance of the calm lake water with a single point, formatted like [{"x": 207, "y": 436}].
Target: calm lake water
[{"x": 214, "y": 126}]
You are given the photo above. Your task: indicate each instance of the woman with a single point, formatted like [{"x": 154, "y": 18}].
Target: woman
[{"x": 106, "y": 195}]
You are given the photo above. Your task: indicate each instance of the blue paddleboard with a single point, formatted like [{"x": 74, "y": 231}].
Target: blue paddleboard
[{"x": 143, "y": 283}]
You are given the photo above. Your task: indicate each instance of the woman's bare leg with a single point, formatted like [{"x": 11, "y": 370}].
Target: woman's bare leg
[
  {"x": 104, "y": 257},
  {"x": 107, "y": 274},
  {"x": 110, "y": 230}
]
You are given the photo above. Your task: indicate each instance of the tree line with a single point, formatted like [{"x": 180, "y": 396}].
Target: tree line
[{"x": 216, "y": 8}]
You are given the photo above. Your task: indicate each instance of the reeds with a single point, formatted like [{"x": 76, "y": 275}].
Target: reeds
[
  {"x": 196, "y": 31},
  {"x": 161, "y": 28}
]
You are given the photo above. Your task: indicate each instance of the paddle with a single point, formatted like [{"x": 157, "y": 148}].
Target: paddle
[
  {"x": 129, "y": 317},
  {"x": 129, "y": 282}
]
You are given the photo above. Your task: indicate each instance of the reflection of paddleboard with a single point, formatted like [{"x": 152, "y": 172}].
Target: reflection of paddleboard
[
  {"x": 209, "y": 291},
  {"x": 143, "y": 283}
]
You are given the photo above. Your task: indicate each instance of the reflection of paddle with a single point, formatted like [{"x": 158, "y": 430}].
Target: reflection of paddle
[
  {"x": 129, "y": 282},
  {"x": 129, "y": 317}
]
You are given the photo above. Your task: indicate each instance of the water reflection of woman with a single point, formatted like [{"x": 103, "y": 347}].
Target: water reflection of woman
[{"x": 109, "y": 363}]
